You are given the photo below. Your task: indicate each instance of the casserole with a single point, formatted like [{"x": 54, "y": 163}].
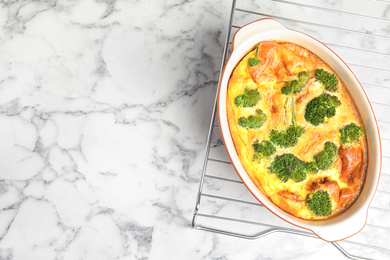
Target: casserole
[{"x": 353, "y": 220}]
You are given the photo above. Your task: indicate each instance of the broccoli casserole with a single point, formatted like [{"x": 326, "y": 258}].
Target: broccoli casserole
[{"x": 296, "y": 130}]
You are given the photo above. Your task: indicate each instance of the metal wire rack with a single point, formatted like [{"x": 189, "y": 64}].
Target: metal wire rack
[{"x": 359, "y": 31}]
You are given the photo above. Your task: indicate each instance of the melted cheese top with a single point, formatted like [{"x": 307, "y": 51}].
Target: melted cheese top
[{"x": 281, "y": 62}]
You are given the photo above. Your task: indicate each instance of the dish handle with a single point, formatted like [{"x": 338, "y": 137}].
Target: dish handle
[{"x": 255, "y": 28}]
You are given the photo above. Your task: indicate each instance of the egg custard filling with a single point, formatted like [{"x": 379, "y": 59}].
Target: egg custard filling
[{"x": 296, "y": 130}]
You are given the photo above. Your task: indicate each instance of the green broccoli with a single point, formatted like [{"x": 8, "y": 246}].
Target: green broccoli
[
  {"x": 319, "y": 202},
  {"x": 324, "y": 159},
  {"x": 296, "y": 85},
  {"x": 254, "y": 60},
  {"x": 329, "y": 80},
  {"x": 350, "y": 134},
  {"x": 320, "y": 108},
  {"x": 311, "y": 167},
  {"x": 253, "y": 121},
  {"x": 288, "y": 137},
  {"x": 248, "y": 99},
  {"x": 288, "y": 166},
  {"x": 265, "y": 148}
]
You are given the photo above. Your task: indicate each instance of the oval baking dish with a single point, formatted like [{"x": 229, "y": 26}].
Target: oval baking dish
[{"x": 353, "y": 219}]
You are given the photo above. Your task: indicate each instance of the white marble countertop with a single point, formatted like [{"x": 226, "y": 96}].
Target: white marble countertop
[{"x": 104, "y": 112}]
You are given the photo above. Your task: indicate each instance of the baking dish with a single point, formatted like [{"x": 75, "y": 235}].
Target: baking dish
[{"x": 354, "y": 219}]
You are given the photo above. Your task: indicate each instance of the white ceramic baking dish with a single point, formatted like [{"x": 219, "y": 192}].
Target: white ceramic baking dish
[{"x": 354, "y": 219}]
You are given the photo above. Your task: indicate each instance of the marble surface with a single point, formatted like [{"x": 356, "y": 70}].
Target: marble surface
[{"x": 104, "y": 112}]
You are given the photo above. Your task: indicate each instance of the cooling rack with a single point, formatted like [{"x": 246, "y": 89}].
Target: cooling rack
[{"x": 359, "y": 31}]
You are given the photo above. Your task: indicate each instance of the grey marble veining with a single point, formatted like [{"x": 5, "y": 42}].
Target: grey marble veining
[{"x": 104, "y": 110}]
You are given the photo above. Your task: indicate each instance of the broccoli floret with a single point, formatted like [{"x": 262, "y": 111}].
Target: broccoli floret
[
  {"x": 248, "y": 99},
  {"x": 324, "y": 159},
  {"x": 253, "y": 121},
  {"x": 265, "y": 148},
  {"x": 288, "y": 166},
  {"x": 288, "y": 137},
  {"x": 350, "y": 134},
  {"x": 329, "y": 80},
  {"x": 254, "y": 60},
  {"x": 319, "y": 202},
  {"x": 311, "y": 167},
  {"x": 320, "y": 108},
  {"x": 296, "y": 85}
]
